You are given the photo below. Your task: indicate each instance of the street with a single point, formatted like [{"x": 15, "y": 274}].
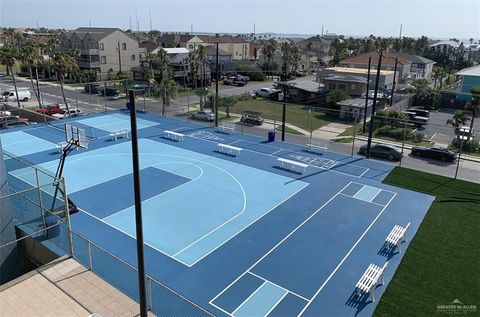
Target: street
[{"x": 88, "y": 103}]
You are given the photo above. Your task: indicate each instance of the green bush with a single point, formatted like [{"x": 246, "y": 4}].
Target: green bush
[
  {"x": 252, "y": 72},
  {"x": 471, "y": 146},
  {"x": 396, "y": 133},
  {"x": 416, "y": 136}
]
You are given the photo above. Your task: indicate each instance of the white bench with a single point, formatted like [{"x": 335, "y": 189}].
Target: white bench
[
  {"x": 172, "y": 135},
  {"x": 228, "y": 149},
  {"x": 397, "y": 236},
  {"x": 292, "y": 164},
  {"x": 370, "y": 279},
  {"x": 121, "y": 133},
  {"x": 61, "y": 145},
  {"x": 322, "y": 147},
  {"x": 227, "y": 127}
]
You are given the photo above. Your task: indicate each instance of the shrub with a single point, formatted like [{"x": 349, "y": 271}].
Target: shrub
[
  {"x": 251, "y": 71},
  {"x": 396, "y": 133}
]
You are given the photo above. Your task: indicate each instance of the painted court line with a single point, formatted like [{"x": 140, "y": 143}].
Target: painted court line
[
  {"x": 285, "y": 289},
  {"x": 370, "y": 202},
  {"x": 346, "y": 256},
  {"x": 273, "y": 154},
  {"x": 276, "y": 304},
  {"x": 280, "y": 242},
  {"x": 375, "y": 196},
  {"x": 246, "y": 300}
]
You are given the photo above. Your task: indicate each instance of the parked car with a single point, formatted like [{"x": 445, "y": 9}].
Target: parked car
[
  {"x": 264, "y": 92},
  {"x": 12, "y": 121},
  {"x": 68, "y": 113},
  {"x": 237, "y": 80},
  {"x": 204, "y": 115},
  {"x": 252, "y": 117},
  {"x": 91, "y": 88},
  {"x": 108, "y": 91},
  {"x": 417, "y": 117},
  {"x": 437, "y": 153},
  {"x": 141, "y": 88},
  {"x": 464, "y": 134},
  {"x": 382, "y": 150},
  {"x": 10, "y": 95},
  {"x": 52, "y": 109},
  {"x": 419, "y": 112}
]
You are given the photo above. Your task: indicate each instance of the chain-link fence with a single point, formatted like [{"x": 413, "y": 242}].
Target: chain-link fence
[
  {"x": 35, "y": 222},
  {"x": 161, "y": 300}
]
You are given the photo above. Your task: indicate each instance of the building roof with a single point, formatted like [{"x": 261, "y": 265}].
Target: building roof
[
  {"x": 355, "y": 103},
  {"x": 222, "y": 39},
  {"x": 175, "y": 50},
  {"x": 173, "y": 38},
  {"x": 388, "y": 59},
  {"x": 307, "y": 85},
  {"x": 149, "y": 47},
  {"x": 470, "y": 71},
  {"x": 363, "y": 71},
  {"x": 347, "y": 78},
  {"x": 96, "y": 33},
  {"x": 415, "y": 58}
]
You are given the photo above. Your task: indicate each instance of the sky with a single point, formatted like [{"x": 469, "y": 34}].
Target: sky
[{"x": 433, "y": 18}]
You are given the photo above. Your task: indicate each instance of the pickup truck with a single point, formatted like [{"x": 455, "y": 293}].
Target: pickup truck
[
  {"x": 52, "y": 109},
  {"x": 235, "y": 80}
]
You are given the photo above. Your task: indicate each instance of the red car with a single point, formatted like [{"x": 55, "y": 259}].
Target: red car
[{"x": 51, "y": 109}]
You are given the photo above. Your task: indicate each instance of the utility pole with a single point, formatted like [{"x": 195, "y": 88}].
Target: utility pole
[
  {"x": 119, "y": 57},
  {"x": 322, "y": 29},
  {"x": 138, "y": 206},
  {"x": 366, "y": 97},
  {"x": 216, "y": 87},
  {"x": 370, "y": 130},
  {"x": 284, "y": 109},
  {"x": 394, "y": 81},
  {"x": 130, "y": 20},
  {"x": 136, "y": 19},
  {"x": 150, "y": 13},
  {"x": 401, "y": 27}
]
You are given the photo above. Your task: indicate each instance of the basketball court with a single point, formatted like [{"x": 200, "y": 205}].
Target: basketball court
[{"x": 236, "y": 234}]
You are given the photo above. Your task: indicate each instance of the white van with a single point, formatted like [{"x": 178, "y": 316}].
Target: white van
[{"x": 10, "y": 95}]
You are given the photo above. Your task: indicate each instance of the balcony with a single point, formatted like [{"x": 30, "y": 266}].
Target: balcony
[
  {"x": 88, "y": 64},
  {"x": 89, "y": 51}
]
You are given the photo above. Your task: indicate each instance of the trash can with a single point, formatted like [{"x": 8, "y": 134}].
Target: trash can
[
  {"x": 271, "y": 136},
  {"x": 55, "y": 230}
]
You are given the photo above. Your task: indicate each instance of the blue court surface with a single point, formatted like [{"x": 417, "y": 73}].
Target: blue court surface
[{"x": 237, "y": 235}]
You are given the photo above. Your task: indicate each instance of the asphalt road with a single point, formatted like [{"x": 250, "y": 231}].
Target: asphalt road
[{"x": 93, "y": 103}]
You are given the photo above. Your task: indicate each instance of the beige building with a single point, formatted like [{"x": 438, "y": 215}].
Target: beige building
[
  {"x": 235, "y": 45},
  {"x": 105, "y": 50}
]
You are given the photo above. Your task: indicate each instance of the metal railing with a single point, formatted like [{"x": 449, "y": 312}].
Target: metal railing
[{"x": 161, "y": 299}]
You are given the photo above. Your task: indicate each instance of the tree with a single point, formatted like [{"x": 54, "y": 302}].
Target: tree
[
  {"x": 334, "y": 97},
  {"x": 8, "y": 57},
  {"x": 29, "y": 56},
  {"x": 63, "y": 64},
  {"x": 309, "y": 48},
  {"x": 168, "y": 91},
  {"x": 459, "y": 119},
  {"x": 474, "y": 105}
]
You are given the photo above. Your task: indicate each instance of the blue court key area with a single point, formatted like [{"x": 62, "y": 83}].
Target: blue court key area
[
  {"x": 153, "y": 182},
  {"x": 261, "y": 301},
  {"x": 113, "y": 122},
  {"x": 20, "y": 143},
  {"x": 367, "y": 193}
]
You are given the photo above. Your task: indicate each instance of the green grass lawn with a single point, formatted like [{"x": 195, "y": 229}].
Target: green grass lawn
[
  {"x": 296, "y": 114},
  {"x": 443, "y": 261}
]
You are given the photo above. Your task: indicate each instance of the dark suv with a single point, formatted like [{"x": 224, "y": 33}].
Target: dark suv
[
  {"x": 108, "y": 91},
  {"x": 382, "y": 150},
  {"x": 91, "y": 88}
]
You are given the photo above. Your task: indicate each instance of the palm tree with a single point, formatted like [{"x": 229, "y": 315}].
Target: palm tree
[
  {"x": 29, "y": 55},
  {"x": 8, "y": 57},
  {"x": 474, "y": 105},
  {"x": 168, "y": 91},
  {"x": 63, "y": 64},
  {"x": 201, "y": 56},
  {"x": 459, "y": 119}
]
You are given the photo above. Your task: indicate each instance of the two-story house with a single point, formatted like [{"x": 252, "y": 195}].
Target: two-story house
[
  {"x": 190, "y": 42},
  {"x": 235, "y": 45},
  {"x": 105, "y": 50},
  {"x": 421, "y": 67},
  {"x": 388, "y": 63}
]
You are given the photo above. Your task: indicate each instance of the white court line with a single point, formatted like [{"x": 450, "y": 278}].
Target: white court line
[
  {"x": 275, "y": 305},
  {"x": 24, "y": 141},
  {"x": 385, "y": 190},
  {"x": 287, "y": 290},
  {"x": 375, "y": 196},
  {"x": 279, "y": 243},
  {"x": 346, "y": 256},
  {"x": 363, "y": 186},
  {"x": 131, "y": 236},
  {"x": 369, "y": 202},
  {"x": 246, "y": 300},
  {"x": 234, "y": 142},
  {"x": 276, "y": 152},
  {"x": 367, "y": 169}
]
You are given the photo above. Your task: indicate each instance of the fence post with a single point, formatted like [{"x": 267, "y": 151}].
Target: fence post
[
  {"x": 459, "y": 153},
  {"x": 354, "y": 136},
  {"x": 90, "y": 262},
  {"x": 149, "y": 293},
  {"x": 403, "y": 142},
  {"x": 40, "y": 201}
]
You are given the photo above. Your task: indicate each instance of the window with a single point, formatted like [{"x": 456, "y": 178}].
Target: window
[
  {"x": 342, "y": 86},
  {"x": 353, "y": 86},
  {"x": 124, "y": 46},
  {"x": 104, "y": 59},
  {"x": 102, "y": 47},
  {"x": 133, "y": 57},
  {"x": 190, "y": 46}
]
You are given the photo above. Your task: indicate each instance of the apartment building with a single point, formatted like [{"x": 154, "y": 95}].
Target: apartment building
[{"x": 106, "y": 50}]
